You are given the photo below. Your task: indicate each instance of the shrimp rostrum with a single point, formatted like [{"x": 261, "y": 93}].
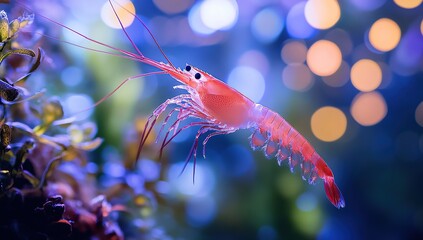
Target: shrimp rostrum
[{"x": 220, "y": 109}]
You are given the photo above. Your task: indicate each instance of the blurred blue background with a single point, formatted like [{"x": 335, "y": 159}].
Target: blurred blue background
[{"x": 346, "y": 75}]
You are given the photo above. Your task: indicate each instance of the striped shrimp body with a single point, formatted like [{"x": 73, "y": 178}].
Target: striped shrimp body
[
  {"x": 277, "y": 138},
  {"x": 223, "y": 110},
  {"x": 220, "y": 109}
]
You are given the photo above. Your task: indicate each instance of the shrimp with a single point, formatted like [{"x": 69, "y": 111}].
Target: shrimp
[{"x": 221, "y": 110}]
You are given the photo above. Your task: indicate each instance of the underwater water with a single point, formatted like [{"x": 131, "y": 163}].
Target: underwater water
[{"x": 346, "y": 75}]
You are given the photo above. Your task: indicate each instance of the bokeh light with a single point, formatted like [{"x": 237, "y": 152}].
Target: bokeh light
[
  {"x": 255, "y": 59},
  {"x": 421, "y": 27},
  {"x": 367, "y": 5},
  {"x": 125, "y": 10},
  {"x": 308, "y": 222},
  {"x": 182, "y": 184},
  {"x": 297, "y": 77},
  {"x": 72, "y": 76},
  {"x": 219, "y": 14},
  {"x": 340, "y": 77},
  {"x": 322, "y": 14},
  {"x": 288, "y": 185},
  {"x": 306, "y": 202},
  {"x": 408, "y": 3},
  {"x": 368, "y": 108},
  {"x": 149, "y": 169},
  {"x": 196, "y": 22},
  {"x": 366, "y": 75},
  {"x": 384, "y": 34},
  {"x": 328, "y": 123},
  {"x": 114, "y": 169},
  {"x": 248, "y": 81},
  {"x": 78, "y": 103},
  {"x": 408, "y": 55},
  {"x": 324, "y": 58},
  {"x": 296, "y": 24},
  {"x": 342, "y": 39},
  {"x": 294, "y": 52},
  {"x": 200, "y": 210},
  {"x": 135, "y": 180},
  {"x": 174, "y": 6},
  {"x": 419, "y": 114},
  {"x": 267, "y": 25}
]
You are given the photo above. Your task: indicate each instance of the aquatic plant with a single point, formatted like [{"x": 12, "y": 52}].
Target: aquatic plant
[{"x": 48, "y": 188}]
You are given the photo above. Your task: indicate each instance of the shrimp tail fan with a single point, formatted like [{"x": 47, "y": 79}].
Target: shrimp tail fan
[{"x": 333, "y": 193}]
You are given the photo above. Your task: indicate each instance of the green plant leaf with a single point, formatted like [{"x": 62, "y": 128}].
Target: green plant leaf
[
  {"x": 4, "y": 26},
  {"x": 31, "y": 178},
  {"x": 52, "y": 110},
  {"x": 20, "y": 51},
  {"x": 26, "y": 19},
  {"x": 13, "y": 27}
]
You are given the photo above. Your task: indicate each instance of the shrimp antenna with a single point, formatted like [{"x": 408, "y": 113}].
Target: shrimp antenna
[
  {"x": 117, "y": 88},
  {"x": 130, "y": 54},
  {"x": 145, "y": 27},
  {"x": 123, "y": 28},
  {"x": 88, "y": 48}
]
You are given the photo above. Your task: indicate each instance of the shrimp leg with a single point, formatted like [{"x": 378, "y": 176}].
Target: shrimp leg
[
  {"x": 152, "y": 119},
  {"x": 166, "y": 141},
  {"x": 193, "y": 151}
]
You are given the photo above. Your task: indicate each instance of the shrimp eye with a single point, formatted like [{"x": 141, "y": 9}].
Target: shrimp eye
[
  {"x": 188, "y": 68},
  {"x": 197, "y": 76}
]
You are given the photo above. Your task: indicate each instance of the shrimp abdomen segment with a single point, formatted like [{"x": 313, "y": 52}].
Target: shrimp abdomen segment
[{"x": 277, "y": 138}]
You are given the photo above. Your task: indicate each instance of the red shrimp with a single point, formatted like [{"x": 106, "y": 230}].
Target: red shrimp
[{"x": 223, "y": 110}]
